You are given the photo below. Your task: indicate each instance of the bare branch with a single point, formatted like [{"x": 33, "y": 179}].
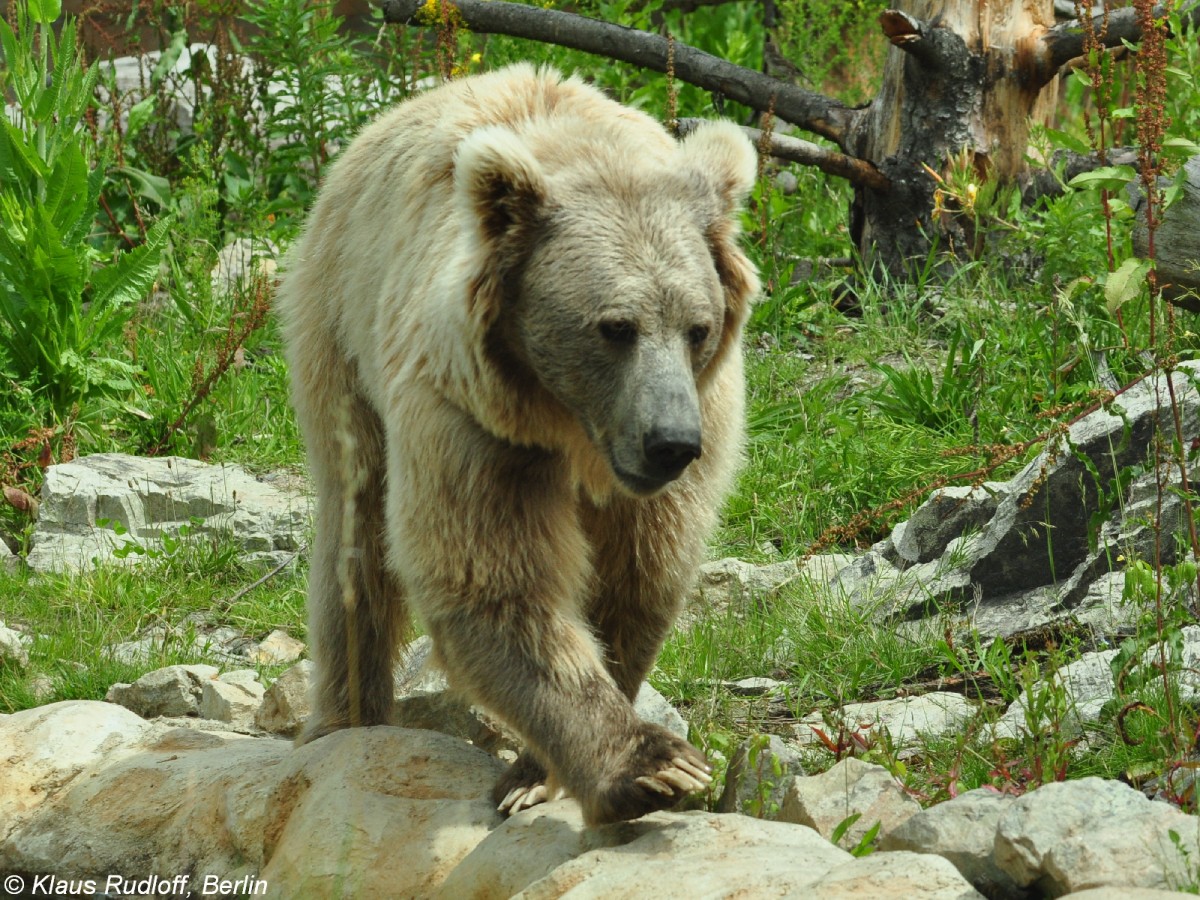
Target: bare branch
[
  {"x": 856, "y": 171},
  {"x": 814, "y": 112},
  {"x": 1064, "y": 42},
  {"x": 907, "y": 32}
]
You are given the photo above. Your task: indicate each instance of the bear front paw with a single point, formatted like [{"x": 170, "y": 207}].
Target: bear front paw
[{"x": 658, "y": 772}]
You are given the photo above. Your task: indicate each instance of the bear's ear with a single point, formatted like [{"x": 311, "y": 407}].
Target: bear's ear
[
  {"x": 721, "y": 156},
  {"x": 723, "y": 163},
  {"x": 500, "y": 185}
]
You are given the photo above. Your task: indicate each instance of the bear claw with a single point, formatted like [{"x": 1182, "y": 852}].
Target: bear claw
[
  {"x": 526, "y": 796},
  {"x": 683, "y": 777}
]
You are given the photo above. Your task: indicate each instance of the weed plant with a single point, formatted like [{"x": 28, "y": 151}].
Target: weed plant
[{"x": 857, "y": 408}]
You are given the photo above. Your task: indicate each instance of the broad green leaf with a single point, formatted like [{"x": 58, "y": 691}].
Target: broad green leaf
[
  {"x": 45, "y": 12},
  {"x": 1125, "y": 283},
  {"x": 1111, "y": 178},
  {"x": 169, "y": 57},
  {"x": 1068, "y": 141},
  {"x": 152, "y": 187},
  {"x": 1184, "y": 145}
]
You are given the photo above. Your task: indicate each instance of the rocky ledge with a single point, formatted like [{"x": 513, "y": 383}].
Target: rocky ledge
[{"x": 91, "y": 791}]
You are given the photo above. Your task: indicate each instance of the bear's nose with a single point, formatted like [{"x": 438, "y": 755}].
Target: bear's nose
[{"x": 669, "y": 450}]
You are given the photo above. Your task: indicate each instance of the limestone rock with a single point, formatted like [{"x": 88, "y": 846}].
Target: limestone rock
[
  {"x": 14, "y": 647},
  {"x": 375, "y": 812},
  {"x": 1088, "y": 683},
  {"x": 906, "y": 719},
  {"x": 962, "y": 831},
  {"x": 1019, "y": 554},
  {"x": 653, "y": 707},
  {"x": 945, "y": 516},
  {"x": 46, "y": 748},
  {"x": 895, "y": 876},
  {"x": 277, "y": 648},
  {"x": 240, "y": 261},
  {"x": 285, "y": 707},
  {"x": 758, "y": 776},
  {"x": 1123, "y": 893},
  {"x": 233, "y": 697},
  {"x": 525, "y": 848},
  {"x": 172, "y": 691},
  {"x": 1073, "y": 835},
  {"x": 9, "y": 561},
  {"x": 148, "y": 498},
  {"x": 852, "y": 786},
  {"x": 821, "y": 569},
  {"x": 731, "y": 579},
  {"x": 368, "y": 812},
  {"x": 695, "y": 855}
]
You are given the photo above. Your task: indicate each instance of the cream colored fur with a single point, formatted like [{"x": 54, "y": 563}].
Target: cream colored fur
[{"x": 450, "y": 314}]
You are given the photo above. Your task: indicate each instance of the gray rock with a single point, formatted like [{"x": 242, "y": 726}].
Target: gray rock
[
  {"x": 905, "y": 719},
  {"x": 524, "y": 849},
  {"x": 285, "y": 707},
  {"x": 895, "y": 876},
  {"x": 172, "y": 691},
  {"x": 962, "y": 831},
  {"x": 14, "y": 649},
  {"x": 693, "y": 855},
  {"x": 1016, "y": 555},
  {"x": 732, "y": 580},
  {"x": 235, "y": 698},
  {"x": 277, "y": 648},
  {"x": 821, "y": 569},
  {"x": 1124, "y": 893},
  {"x": 148, "y": 498},
  {"x": 755, "y": 687},
  {"x": 9, "y": 561},
  {"x": 1074, "y": 835},
  {"x": 852, "y": 786},
  {"x": 653, "y": 707},
  {"x": 1088, "y": 683},
  {"x": 946, "y": 515},
  {"x": 758, "y": 776},
  {"x": 241, "y": 260},
  {"x": 1177, "y": 237},
  {"x": 1028, "y": 543}
]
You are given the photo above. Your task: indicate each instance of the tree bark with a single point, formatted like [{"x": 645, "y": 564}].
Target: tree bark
[{"x": 955, "y": 86}]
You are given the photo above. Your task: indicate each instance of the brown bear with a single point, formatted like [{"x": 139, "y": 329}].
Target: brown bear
[{"x": 513, "y": 323}]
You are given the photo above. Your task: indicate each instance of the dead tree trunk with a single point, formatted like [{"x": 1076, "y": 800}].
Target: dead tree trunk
[{"x": 965, "y": 79}]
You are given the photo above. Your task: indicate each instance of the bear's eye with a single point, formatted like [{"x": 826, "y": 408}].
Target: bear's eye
[
  {"x": 697, "y": 335},
  {"x": 619, "y": 331}
]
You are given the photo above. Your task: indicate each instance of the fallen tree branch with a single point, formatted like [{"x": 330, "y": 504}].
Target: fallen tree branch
[
  {"x": 908, "y": 33},
  {"x": 809, "y": 110},
  {"x": 856, "y": 171},
  {"x": 1065, "y": 42}
]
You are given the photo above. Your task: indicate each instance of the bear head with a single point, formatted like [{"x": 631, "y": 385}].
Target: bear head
[{"x": 615, "y": 284}]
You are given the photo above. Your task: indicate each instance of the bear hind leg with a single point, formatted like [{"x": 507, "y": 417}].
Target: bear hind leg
[{"x": 357, "y": 613}]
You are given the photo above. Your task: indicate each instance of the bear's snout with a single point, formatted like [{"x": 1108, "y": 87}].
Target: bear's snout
[{"x": 669, "y": 449}]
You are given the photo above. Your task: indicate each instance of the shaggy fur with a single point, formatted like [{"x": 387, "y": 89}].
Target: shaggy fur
[{"x": 513, "y": 324}]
